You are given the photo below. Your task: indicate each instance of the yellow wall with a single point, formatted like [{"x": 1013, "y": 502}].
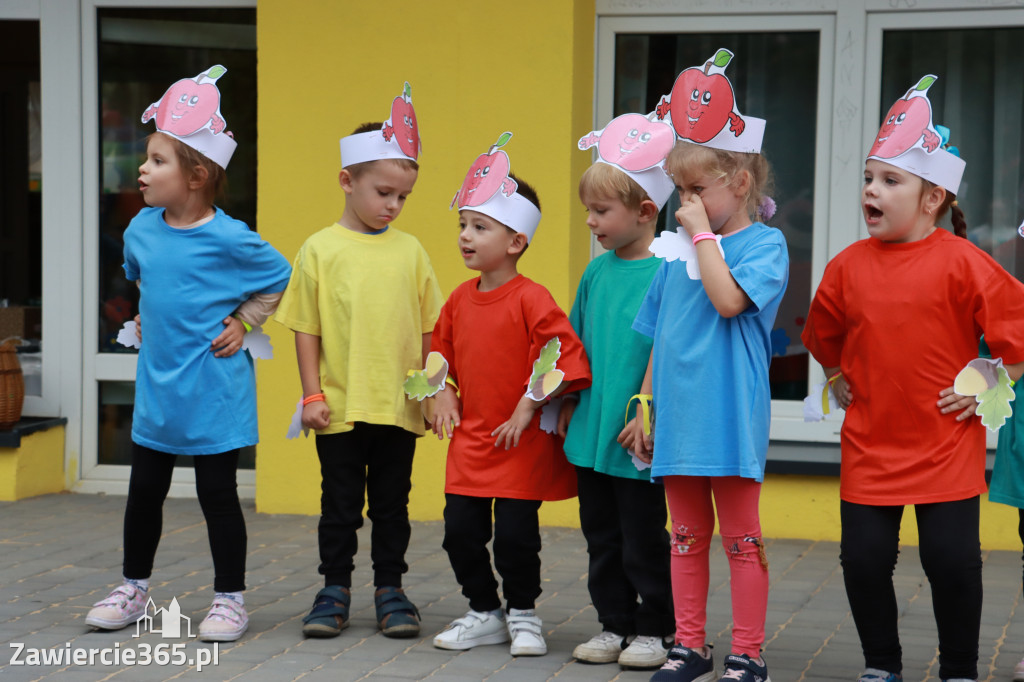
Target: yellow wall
[
  {"x": 476, "y": 69},
  {"x": 34, "y": 468}
]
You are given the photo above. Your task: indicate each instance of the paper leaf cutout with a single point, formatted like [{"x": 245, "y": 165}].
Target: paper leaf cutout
[
  {"x": 258, "y": 344},
  {"x": 549, "y": 416},
  {"x": 671, "y": 245},
  {"x": 128, "y": 337},
  {"x": 295, "y": 426},
  {"x": 426, "y": 382},
  {"x": 637, "y": 462},
  {"x": 545, "y": 378},
  {"x": 990, "y": 385},
  {"x": 813, "y": 411}
]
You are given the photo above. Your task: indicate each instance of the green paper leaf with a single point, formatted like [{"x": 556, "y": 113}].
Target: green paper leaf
[
  {"x": 925, "y": 83},
  {"x": 994, "y": 404},
  {"x": 546, "y": 360},
  {"x": 407, "y": 90},
  {"x": 722, "y": 58},
  {"x": 417, "y": 387},
  {"x": 216, "y": 72},
  {"x": 503, "y": 140}
]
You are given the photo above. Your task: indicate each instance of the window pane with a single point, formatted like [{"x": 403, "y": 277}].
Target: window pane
[
  {"x": 775, "y": 76},
  {"x": 21, "y": 226},
  {"x": 980, "y": 96},
  {"x": 141, "y": 53}
]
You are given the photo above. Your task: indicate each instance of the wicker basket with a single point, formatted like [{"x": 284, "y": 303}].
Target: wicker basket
[{"x": 12, "y": 385}]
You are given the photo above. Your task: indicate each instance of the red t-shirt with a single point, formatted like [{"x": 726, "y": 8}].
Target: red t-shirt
[
  {"x": 901, "y": 320},
  {"x": 491, "y": 340}
]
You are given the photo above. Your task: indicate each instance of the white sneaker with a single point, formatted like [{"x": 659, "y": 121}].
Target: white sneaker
[
  {"x": 645, "y": 652},
  {"x": 525, "y": 629},
  {"x": 123, "y": 606},
  {"x": 473, "y": 629},
  {"x": 227, "y": 621},
  {"x": 604, "y": 647}
]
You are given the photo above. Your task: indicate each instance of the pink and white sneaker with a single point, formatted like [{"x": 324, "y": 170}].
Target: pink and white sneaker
[
  {"x": 125, "y": 605},
  {"x": 227, "y": 621}
]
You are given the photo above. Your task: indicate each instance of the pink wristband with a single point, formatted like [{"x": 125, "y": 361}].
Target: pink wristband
[{"x": 701, "y": 236}]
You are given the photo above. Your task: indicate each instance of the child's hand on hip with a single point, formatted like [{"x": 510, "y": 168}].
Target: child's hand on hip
[
  {"x": 950, "y": 401},
  {"x": 229, "y": 341}
]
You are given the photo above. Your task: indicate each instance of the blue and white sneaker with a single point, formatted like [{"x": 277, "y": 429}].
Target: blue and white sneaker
[
  {"x": 743, "y": 669},
  {"x": 876, "y": 675},
  {"x": 685, "y": 665}
]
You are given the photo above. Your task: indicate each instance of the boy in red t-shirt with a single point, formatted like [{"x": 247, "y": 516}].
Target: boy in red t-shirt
[{"x": 492, "y": 330}]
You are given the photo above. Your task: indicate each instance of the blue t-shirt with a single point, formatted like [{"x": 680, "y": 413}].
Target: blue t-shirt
[
  {"x": 187, "y": 401},
  {"x": 712, "y": 399}
]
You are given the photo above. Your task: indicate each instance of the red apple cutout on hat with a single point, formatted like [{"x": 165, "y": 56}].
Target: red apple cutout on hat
[
  {"x": 908, "y": 120},
  {"x": 189, "y": 105},
  {"x": 702, "y": 101},
  {"x": 488, "y": 173},
  {"x": 403, "y": 124},
  {"x": 632, "y": 142}
]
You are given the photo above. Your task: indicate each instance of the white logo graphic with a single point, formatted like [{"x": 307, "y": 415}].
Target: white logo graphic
[{"x": 170, "y": 621}]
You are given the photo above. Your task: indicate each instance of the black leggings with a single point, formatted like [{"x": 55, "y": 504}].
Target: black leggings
[
  {"x": 218, "y": 497},
  {"x": 951, "y": 557}
]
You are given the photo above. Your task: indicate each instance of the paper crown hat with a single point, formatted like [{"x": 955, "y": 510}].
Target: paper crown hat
[
  {"x": 190, "y": 111},
  {"x": 702, "y": 108},
  {"x": 909, "y": 140},
  {"x": 488, "y": 189},
  {"x": 636, "y": 145},
  {"x": 398, "y": 138}
]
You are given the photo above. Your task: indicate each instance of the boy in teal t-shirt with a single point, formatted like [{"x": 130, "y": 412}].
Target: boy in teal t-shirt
[{"x": 622, "y": 514}]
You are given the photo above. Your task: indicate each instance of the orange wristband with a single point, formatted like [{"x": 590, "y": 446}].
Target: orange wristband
[{"x": 316, "y": 397}]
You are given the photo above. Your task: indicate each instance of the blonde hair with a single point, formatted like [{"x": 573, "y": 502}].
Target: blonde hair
[
  {"x": 188, "y": 159},
  {"x": 720, "y": 164},
  {"x": 604, "y": 180}
]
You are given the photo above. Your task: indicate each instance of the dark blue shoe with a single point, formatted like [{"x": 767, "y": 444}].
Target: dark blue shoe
[
  {"x": 329, "y": 615},
  {"x": 685, "y": 665},
  {"x": 742, "y": 669},
  {"x": 876, "y": 675}
]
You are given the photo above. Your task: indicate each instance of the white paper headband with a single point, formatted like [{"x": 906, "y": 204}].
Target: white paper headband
[
  {"x": 488, "y": 189},
  {"x": 636, "y": 145},
  {"x": 190, "y": 111},
  {"x": 398, "y": 138}
]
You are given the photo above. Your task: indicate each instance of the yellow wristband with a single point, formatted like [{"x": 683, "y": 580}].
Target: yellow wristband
[
  {"x": 448, "y": 380},
  {"x": 248, "y": 327},
  {"x": 824, "y": 392},
  {"x": 644, "y": 400}
]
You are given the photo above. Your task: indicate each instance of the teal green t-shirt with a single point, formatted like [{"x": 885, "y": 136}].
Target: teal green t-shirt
[
  {"x": 608, "y": 298},
  {"x": 1007, "y": 486}
]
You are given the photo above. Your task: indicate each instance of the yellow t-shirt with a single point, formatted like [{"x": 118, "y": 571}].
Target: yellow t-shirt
[{"x": 370, "y": 298}]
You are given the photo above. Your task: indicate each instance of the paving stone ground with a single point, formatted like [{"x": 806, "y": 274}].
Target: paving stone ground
[{"x": 61, "y": 553}]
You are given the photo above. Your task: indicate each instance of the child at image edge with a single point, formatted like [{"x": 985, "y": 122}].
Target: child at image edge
[
  {"x": 202, "y": 276},
  {"x": 362, "y": 301},
  {"x": 899, "y": 314},
  {"x": 709, "y": 374},
  {"x": 491, "y": 332},
  {"x": 622, "y": 514}
]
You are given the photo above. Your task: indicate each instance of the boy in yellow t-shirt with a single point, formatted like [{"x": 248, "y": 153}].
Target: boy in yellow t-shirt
[{"x": 362, "y": 302}]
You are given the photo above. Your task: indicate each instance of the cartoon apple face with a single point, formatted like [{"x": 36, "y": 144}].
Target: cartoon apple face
[
  {"x": 187, "y": 106},
  {"x": 634, "y": 143},
  {"x": 484, "y": 178},
  {"x": 701, "y": 104},
  {"x": 906, "y": 122},
  {"x": 407, "y": 131}
]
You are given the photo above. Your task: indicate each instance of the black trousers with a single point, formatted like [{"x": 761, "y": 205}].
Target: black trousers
[
  {"x": 467, "y": 530},
  {"x": 371, "y": 463},
  {"x": 951, "y": 557},
  {"x": 218, "y": 497},
  {"x": 623, "y": 521}
]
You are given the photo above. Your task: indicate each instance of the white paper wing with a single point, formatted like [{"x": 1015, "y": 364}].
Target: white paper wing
[
  {"x": 674, "y": 246},
  {"x": 637, "y": 462},
  {"x": 549, "y": 415},
  {"x": 258, "y": 345},
  {"x": 813, "y": 411},
  {"x": 128, "y": 337},
  {"x": 295, "y": 427}
]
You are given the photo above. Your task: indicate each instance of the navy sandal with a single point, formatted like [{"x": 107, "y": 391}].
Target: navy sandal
[
  {"x": 396, "y": 615},
  {"x": 329, "y": 615}
]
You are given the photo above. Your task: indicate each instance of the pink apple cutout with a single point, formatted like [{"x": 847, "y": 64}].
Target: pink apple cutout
[
  {"x": 632, "y": 142},
  {"x": 908, "y": 121},
  {"x": 189, "y": 105}
]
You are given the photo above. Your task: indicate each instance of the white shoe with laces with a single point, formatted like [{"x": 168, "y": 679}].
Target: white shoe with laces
[
  {"x": 604, "y": 647},
  {"x": 473, "y": 629},
  {"x": 227, "y": 621},
  {"x": 645, "y": 652},
  {"x": 524, "y": 627}
]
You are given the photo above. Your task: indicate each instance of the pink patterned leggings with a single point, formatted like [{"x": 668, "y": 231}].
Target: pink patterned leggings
[{"x": 693, "y": 524}]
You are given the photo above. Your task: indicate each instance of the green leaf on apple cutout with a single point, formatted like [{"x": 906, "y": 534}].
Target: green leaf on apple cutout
[
  {"x": 407, "y": 90},
  {"x": 722, "y": 58},
  {"x": 925, "y": 83},
  {"x": 215, "y": 72},
  {"x": 503, "y": 140}
]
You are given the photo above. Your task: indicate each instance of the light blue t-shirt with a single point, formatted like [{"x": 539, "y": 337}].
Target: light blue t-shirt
[
  {"x": 712, "y": 400},
  {"x": 187, "y": 401}
]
